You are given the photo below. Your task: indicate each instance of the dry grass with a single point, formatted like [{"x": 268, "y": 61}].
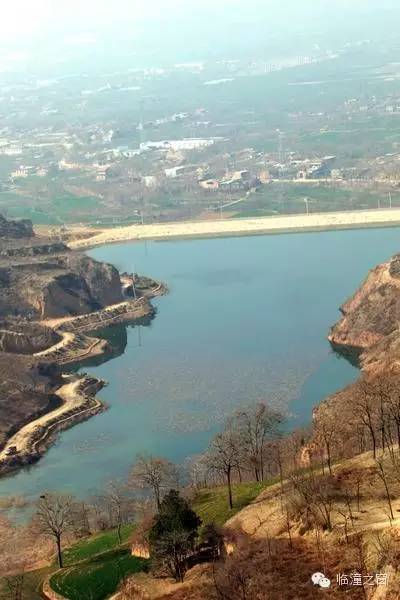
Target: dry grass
[{"x": 267, "y": 564}]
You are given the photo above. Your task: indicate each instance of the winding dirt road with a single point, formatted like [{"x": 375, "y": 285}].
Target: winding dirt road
[{"x": 72, "y": 400}]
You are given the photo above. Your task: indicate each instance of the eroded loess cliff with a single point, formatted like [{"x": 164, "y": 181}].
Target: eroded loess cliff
[
  {"x": 41, "y": 279},
  {"x": 51, "y": 299},
  {"x": 370, "y": 326},
  {"x": 25, "y": 338},
  {"x": 15, "y": 229},
  {"x": 27, "y": 391},
  {"x": 369, "y": 333}
]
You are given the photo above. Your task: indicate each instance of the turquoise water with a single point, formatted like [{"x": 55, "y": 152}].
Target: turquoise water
[{"x": 246, "y": 319}]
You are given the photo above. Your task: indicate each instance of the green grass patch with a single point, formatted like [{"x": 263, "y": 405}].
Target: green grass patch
[
  {"x": 61, "y": 209},
  {"x": 212, "y": 504},
  {"x": 98, "y": 544},
  {"x": 97, "y": 578},
  {"x": 37, "y": 216},
  {"x": 72, "y": 203}
]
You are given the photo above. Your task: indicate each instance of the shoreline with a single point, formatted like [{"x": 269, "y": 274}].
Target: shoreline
[
  {"x": 78, "y": 394},
  {"x": 28, "y": 444},
  {"x": 314, "y": 222}
]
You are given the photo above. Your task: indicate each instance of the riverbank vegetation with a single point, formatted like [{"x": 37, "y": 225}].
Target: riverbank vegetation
[{"x": 257, "y": 508}]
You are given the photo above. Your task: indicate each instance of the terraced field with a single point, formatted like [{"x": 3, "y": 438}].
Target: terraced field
[{"x": 96, "y": 578}]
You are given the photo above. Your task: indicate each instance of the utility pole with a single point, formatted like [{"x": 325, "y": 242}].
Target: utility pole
[
  {"x": 134, "y": 283},
  {"x": 306, "y": 203},
  {"x": 390, "y": 199}
]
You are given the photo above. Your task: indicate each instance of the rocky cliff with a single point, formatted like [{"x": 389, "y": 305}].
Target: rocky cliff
[
  {"x": 15, "y": 229},
  {"x": 25, "y": 338},
  {"x": 369, "y": 333},
  {"x": 27, "y": 391},
  {"x": 50, "y": 298},
  {"x": 43, "y": 279},
  {"x": 370, "y": 327},
  {"x": 40, "y": 279}
]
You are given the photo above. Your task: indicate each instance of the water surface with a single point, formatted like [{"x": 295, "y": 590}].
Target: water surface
[{"x": 246, "y": 319}]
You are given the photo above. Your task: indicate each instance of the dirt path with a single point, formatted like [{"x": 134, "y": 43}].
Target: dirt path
[
  {"x": 225, "y": 227},
  {"x": 66, "y": 339},
  {"x": 72, "y": 400},
  {"x": 60, "y": 321}
]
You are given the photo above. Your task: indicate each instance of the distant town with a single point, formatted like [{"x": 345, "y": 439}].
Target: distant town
[{"x": 155, "y": 145}]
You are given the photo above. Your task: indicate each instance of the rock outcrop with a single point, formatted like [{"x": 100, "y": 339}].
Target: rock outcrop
[
  {"x": 26, "y": 338},
  {"x": 51, "y": 300},
  {"x": 370, "y": 326},
  {"x": 369, "y": 334},
  {"x": 27, "y": 391},
  {"x": 15, "y": 229},
  {"x": 41, "y": 279}
]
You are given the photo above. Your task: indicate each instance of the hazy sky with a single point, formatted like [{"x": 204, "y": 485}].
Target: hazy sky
[
  {"x": 26, "y": 17},
  {"x": 184, "y": 27}
]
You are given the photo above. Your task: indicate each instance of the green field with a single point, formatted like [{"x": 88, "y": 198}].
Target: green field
[
  {"x": 95, "y": 545},
  {"x": 95, "y": 566},
  {"x": 286, "y": 198},
  {"x": 96, "y": 578},
  {"x": 61, "y": 209},
  {"x": 212, "y": 504}
]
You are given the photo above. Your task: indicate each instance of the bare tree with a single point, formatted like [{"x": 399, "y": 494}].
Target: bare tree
[
  {"x": 198, "y": 471},
  {"x": 53, "y": 518},
  {"x": 316, "y": 497},
  {"x": 326, "y": 429},
  {"x": 155, "y": 474},
  {"x": 80, "y": 519},
  {"x": 100, "y": 514},
  {"x": 255, "y": 425},
  {"x": 365, "y": 410},
  {"x": 121, "y": 506},
  {"x": 393, "y": 404},
  {"x": 21, "y": 548},
  {"x": 13, "y": 588},
  {"x": 380, "y": 469},
  {"x": 223, "y": 456}
]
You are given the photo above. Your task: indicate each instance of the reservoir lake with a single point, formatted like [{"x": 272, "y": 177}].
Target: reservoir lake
[{"x": 245, "y": 320}]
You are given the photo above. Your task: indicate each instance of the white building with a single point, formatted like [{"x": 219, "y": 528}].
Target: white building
[
  {"x": 150, "y": 181},
  {"x": 107, "y": 137},
  {"x": 177, "y": 171},
  {"x": 178, "y": 145},
  {"x": 11, "y": 151},
  {"x": 19, "y": 173},
  {"x": 65, "y": 165}
]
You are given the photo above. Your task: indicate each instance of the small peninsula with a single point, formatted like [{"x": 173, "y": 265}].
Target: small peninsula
[{"x": 52, "y": 299}]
